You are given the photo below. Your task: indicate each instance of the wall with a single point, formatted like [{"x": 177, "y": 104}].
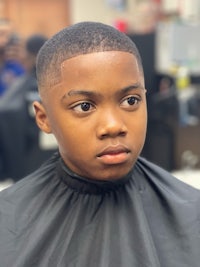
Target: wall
[
  {"x": 41, "y": 16},
  {"x": 96, "y": 10},
  {"x": 139, "y": 16}
]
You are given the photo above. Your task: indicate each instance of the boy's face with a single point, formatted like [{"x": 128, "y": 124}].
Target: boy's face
[{"x": 97, "y": 114}]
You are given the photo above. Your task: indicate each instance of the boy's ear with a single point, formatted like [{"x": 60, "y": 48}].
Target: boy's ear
[{"x": 41, "y": 117}]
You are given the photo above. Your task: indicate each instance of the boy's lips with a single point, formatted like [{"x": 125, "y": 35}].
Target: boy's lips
[{"x": 114, "y": 154}]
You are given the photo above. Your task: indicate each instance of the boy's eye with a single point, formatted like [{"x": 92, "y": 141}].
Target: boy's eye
[
  {"x": 83, "y": 107},
  {"x": 131, "y": 101}
]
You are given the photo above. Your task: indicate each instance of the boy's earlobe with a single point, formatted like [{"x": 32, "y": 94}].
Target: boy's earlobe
[{"x": 41, "y": 117}]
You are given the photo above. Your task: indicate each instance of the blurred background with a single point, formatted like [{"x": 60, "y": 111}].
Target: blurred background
[{"x": 167, "y": 33}]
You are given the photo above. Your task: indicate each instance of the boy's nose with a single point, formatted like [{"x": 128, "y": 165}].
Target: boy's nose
[{"x": 110, "y": 124}]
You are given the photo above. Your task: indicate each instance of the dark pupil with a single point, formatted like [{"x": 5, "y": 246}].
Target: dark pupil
[
  {"x": 85, "y": 106},
  {"x": 131, "y": 100}
]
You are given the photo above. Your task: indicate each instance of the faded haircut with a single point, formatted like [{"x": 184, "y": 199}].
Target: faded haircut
[{"x": 78, "y": 39}]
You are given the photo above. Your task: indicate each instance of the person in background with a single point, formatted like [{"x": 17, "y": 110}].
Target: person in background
[
  {"x": 19, "y": 91},
  {"x": 11, "y": 54},
  {"x": 97, "y": 202},
  {"x": 19, "y": 151}
]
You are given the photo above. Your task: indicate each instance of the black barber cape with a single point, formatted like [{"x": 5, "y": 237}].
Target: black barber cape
[{"x": 54, "y": 218}]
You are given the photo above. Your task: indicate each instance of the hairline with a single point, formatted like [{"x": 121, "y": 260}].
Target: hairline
[
  {"x": 56, "y": 82},
  {"x": 60, "y": 48}
]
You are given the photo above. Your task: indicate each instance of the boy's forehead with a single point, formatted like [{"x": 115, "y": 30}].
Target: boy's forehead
[
  {"x": 87, "y": 68},
  {"x": 105, "y": 57},
  {"x": 98, "y": 71},
  {"x": 91, "y": 66}
]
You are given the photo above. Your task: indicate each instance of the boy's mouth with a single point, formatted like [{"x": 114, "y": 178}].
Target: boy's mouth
[{"x": 114, "y": 155}]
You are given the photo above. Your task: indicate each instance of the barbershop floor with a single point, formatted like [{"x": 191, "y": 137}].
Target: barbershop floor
[{"x": 191, "y": 177}]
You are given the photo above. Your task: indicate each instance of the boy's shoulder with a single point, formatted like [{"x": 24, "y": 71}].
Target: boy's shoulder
[
  {"x": 160, "y": 180},
  {"x": 29, "y": 185}
]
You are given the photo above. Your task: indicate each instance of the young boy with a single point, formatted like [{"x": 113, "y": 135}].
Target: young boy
[{"x": 96, "y": 203}]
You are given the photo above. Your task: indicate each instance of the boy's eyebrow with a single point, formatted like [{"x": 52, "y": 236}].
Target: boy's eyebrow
[
  {"x": 85, "y": 93},
  {"x": 82, "y": 92},
  {"x": 96, "y": 94},
  {"x": 131, "y": 87}
]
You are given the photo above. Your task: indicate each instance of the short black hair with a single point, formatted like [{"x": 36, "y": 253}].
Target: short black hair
[{"x": 78, "y": 39}]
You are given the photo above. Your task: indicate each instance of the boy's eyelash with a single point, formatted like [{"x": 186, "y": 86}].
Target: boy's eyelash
[{"x": 136, "y": 98}]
